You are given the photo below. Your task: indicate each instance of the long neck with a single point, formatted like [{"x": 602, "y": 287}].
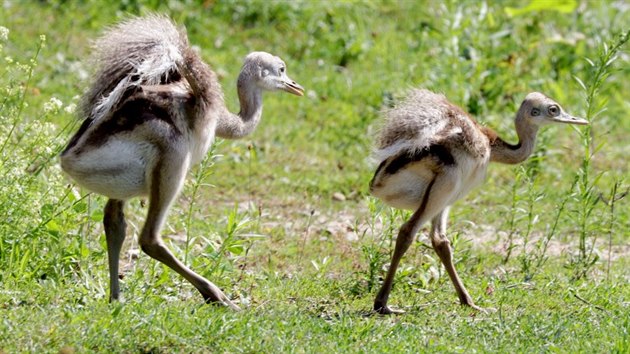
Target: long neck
[
  {"x": 503, "y": 152},
  {"x": 234, "y": 126}
]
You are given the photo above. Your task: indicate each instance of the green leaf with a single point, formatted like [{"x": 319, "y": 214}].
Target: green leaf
[
  {"x": 80, "y": 207},
  {"x": 580, "y": 82},
  {"x": 97, "y": 215},
  {"x": 85, "y": 251},
  {"x": 52, "y": 226},
  {"x": 236, "y": 249},
  {"x": 117, "y": 309},
  {"x": 564, "y": 6},
  {"x": 590, "y": 61}
]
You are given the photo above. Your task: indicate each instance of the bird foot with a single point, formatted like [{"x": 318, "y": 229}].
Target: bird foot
[
  {"x": 223, "y": 301},
  {"x": 485, "y": 311},
  {"x": 213, "y": 295},
  {"x": 466, "y": 300},
  {"x": 116, "y": 300},
  {"x": 386, "y": 310}
]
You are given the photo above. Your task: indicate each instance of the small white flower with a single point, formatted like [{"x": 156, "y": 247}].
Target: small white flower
[
  {"x": 70, "y": 108},
  {"x": 4, "y": 33},
  {"x": 53, "y": 105}
]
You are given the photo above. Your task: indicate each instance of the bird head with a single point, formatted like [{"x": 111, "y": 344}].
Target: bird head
[
  {"x": 269, "y": 72},
  {"x": 538, "y": 109}
]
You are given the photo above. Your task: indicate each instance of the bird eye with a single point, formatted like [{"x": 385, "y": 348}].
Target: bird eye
[
  {"x": 535, "y": 112},
  {"x": 553, "y": 110},
  {"x": 282, "y": 69}
]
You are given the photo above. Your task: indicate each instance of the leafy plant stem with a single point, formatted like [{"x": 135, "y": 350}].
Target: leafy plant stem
[{"x": 16, "y": 120}]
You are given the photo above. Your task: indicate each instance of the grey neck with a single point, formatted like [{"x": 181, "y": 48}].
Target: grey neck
[
  {"x": 504, "y": 152},
  {"x": 235, "y": 126}
]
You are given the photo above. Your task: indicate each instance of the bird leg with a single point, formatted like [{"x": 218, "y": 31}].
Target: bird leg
[
  {"x": 442, "y": 247},
  {"x": 114, "y": 224},
  {"x": 404, "y": 240},
  {"x": 166, "y": 181}
]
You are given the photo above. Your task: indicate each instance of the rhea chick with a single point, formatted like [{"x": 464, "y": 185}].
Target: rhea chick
[
  {"x": 431, "y": 154},
  {"x": 151, "y": 113}
]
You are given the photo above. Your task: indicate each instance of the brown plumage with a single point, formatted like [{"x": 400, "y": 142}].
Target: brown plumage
[
  {"x": 431, "y": 154},
  {"x": 151, "y": 113}
]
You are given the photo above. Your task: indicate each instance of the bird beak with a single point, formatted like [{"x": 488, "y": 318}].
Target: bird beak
[
  {"x": 569, "y": 119},
  {"x": 293, "y": 87}
]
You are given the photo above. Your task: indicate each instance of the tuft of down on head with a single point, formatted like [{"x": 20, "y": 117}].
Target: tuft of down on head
[
  {"x": 269, "y": 72},
  {"x": 537, "y": 109}
]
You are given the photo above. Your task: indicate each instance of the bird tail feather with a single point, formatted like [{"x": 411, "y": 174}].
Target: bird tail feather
[{"x": 139, "y": 51}]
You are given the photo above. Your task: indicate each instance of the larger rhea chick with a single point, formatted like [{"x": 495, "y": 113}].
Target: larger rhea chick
[
  {"x": 431, "y": 154},
  {"x": 151, "y": 113}
]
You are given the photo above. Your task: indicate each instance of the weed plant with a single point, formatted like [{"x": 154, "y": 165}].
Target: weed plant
[
  {"x": 34, "y": 194},
  {"x": 587, "y": 195}
]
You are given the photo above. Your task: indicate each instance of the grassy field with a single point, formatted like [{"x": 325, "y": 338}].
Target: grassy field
[{"x": 282, "y": 220}]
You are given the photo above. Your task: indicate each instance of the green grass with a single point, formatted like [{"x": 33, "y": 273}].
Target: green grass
[{"x": 260, "y": 219}]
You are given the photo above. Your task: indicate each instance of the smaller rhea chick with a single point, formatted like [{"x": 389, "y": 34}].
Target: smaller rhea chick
[
  {"x": 152, "y": 112},
  {"x": 431, "y": 154}
]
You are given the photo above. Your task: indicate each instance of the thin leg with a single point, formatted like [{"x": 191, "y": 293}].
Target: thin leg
[
  {"x": 114, "y": 224},
  {"x": 442, "y": 247},
  {"x": 166, "y": 182},
  {"x": 404, "y": 240}
]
